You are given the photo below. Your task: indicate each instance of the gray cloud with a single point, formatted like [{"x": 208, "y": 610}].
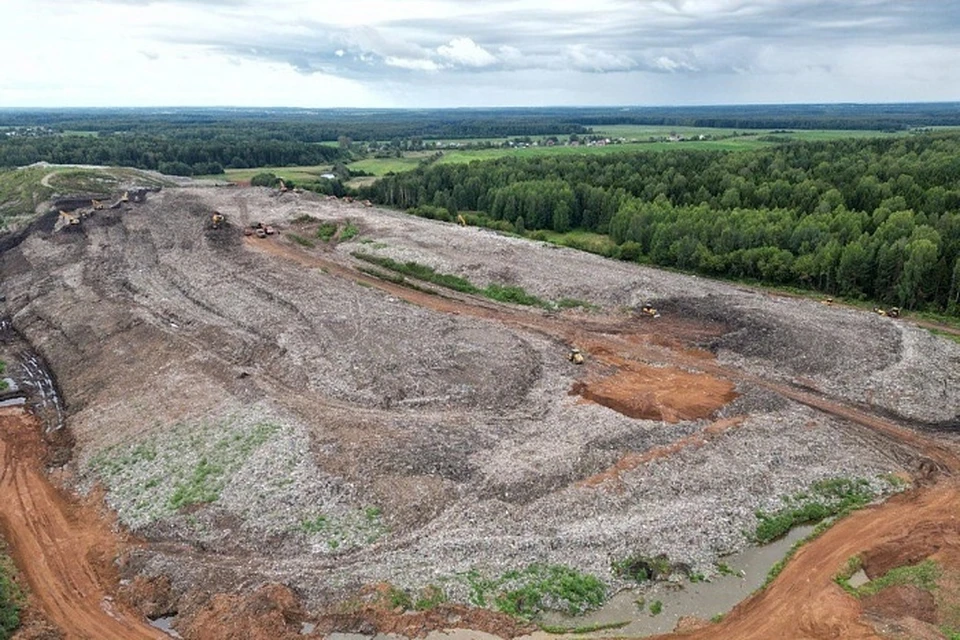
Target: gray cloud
[{"x": 627, "y": 50}]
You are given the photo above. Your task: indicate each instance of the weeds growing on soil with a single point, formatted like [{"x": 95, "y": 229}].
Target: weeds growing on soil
[
  {"x": 301, "y": 240},
  {"x": 640, "y": 568},
  {"x": 3, "y": 370},
  {"x": 500, "y": 293},
  {"x": 587, "y": 628},
  {"x": 327, "y": 230},
  {"x": 922, "y": 575},
  {"x": 825, "y": 499},
  {"x": 527, "y": 592},
  {"x": 10, "y": 599},
  {"x": 349, "y": 232},
  {"x": 656, "y": 608},
  {"x": 197, "y": 465}
]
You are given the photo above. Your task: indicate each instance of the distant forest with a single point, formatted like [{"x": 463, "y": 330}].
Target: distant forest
[
  {"x": 867, "y": 218},
  {"x": 205, "y": 141}
]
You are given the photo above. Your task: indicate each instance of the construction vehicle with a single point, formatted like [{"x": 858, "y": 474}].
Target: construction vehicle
[
  {"x": 283, "y": 186},
  {"x": 217, "y": 220},
  {"x": 827, "y": 301},
  {"x": 461, "y": 220},
  {"x": 892, "y": 312},
  {"x": 649, "y": 311},
  {"x": 125, "y": 197},
  {"x": 97, "y": 205},
  {"x": 69, "y": 218},
  {"x": 262, "y": 230},
  {"x": 575, "y": 356}
]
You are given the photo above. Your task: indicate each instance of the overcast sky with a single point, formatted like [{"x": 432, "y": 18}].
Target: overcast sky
[{"x": 446, "y": 53}]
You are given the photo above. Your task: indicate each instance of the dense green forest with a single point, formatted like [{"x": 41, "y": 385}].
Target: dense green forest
[
  {"x": 867, "y": 218},
  {"x": 195, "y": 141},
  {"x": 174, "y": 154}
]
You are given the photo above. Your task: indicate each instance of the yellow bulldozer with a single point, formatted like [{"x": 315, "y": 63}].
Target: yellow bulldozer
[
  {"x": 649, "y": 311},
  {"x": 892, "y": 312},
  {"x": 575, "y": 356},
  {"x": 69, "y": 218}
]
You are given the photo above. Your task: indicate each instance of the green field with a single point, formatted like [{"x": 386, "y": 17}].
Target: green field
[
  {"x": 296, "y": 174},
  {"x": 640, "y": 136}
]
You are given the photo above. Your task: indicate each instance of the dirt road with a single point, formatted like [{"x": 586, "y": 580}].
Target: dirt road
[
  {"x": 805, "y": 602},
  {"x": 64, "y": 549}
]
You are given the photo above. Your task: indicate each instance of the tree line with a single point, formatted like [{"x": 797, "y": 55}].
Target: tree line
[
  {"x": 173, "y": 155},
  {"x": 868, "y": 218}
]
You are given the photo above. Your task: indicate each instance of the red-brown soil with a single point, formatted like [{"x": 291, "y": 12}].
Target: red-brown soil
[{"x": 64, "y": 549}]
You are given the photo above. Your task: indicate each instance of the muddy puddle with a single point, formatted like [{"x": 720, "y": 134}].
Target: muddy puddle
[
  {"x": 165, "y": 625},
  {"x": 702, "y": 600}
]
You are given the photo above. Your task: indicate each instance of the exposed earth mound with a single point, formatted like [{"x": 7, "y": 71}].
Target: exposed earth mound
[{"x": 266, "y": 410}]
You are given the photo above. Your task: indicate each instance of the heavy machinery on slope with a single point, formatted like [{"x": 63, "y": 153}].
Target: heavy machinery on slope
[
  {"x": 69, "y": 219},
  {"x": 575, "y": 356},
  {"x": 892, "y": 312},
  {"x": 217, "y": 220},
  {"x": 649, "y": 311}
]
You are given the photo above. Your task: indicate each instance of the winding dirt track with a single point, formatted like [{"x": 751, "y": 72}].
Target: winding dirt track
[
  {"x": 65, "y": 550},
  {"x": 803, "y": 602}
]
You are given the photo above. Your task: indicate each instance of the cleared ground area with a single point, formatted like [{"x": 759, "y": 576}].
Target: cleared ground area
[{"x": 265, "y": 409}]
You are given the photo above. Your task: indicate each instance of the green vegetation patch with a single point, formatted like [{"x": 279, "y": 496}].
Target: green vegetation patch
[
  {"x": 304, "y": 242},
  {"x": 587, "y": 628},
  {"x": 640, "y": 569},
  {"x": 327, "y": 230},
  {"x": 191, "y": 465},
  {"x": 498, "y": 292},
  {"x": 3, "y": 370},
  {"x": 922, "y": 575},
  {"x": 345, "y": 530},
  {"x": 21, "y": 192},
  {"x": 826, "y": 498},
  {"x": 11, "y": 598},
  {"x": 527, "y": 592}
]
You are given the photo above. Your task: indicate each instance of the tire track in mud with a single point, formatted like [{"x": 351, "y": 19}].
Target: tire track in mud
[
  {"x": 803, "y": 601},
  {"x": 616, "y": 345},
  {"x": 63, "y": 549}
]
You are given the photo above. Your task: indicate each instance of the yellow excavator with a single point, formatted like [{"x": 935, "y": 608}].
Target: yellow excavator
[
  {"x": 575, "y": 356},
  {"x": 283, "y": 186},
  {"x": 69, "y": 218},
  {"x": 461, "y": 220},
  {"x": 892, "y": 312},
  {"x": 217, "y": 220},
  {"x": 125, "y": 197},
  {"x": 649, "y": 311},
  {"x": 97, "y": 205}
]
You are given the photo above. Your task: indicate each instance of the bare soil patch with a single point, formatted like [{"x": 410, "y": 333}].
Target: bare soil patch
[
  {"x": 338, "y": 430},
  {"x": 64, "y": 548}
]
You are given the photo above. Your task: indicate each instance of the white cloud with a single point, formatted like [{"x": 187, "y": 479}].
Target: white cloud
[
  {"x": 413, "y": 64},
  {"x": 392, "y": 52},
  {"x": 585, "y": 58},
  {"x": 465, "y": 51}
]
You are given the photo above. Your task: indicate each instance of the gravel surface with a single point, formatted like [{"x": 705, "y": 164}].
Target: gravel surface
[{"x": 346, "y": 436}]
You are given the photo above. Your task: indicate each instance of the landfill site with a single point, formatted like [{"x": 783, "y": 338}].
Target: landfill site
[{"x": 255, "y": 429}]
